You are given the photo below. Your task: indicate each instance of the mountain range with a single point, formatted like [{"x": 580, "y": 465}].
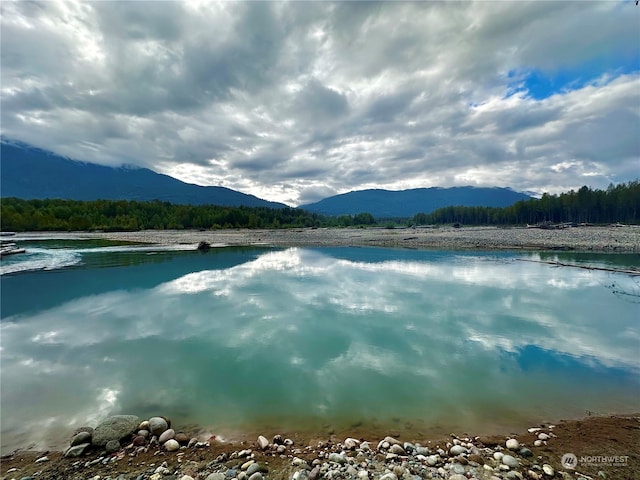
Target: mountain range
[
  {"x": 406, "y": 203},
  {"x": 31, "y": 173}
]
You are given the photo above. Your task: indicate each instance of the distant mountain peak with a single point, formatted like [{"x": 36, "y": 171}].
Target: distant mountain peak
[
  {"x": 29, "y": 172},
  {"x": 406, "y": 203}
]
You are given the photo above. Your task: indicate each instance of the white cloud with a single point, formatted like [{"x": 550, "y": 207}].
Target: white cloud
[{"x": 288, "y": 100}]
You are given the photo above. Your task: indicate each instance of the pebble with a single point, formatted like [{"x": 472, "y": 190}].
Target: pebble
[
  {"x": 498, "y": 456},
  {"x": 543, "y": 436},
  {"x": 548, "y": 470},
  {"x": 510, "y": 461},
  {"x": 389, "y": 476},
  {"x": 423, "y": 451},
  {"x": 363, "y": 475},
  {"x": 256, "y": 476},
  {"x": 42, "y": 460},
  {"x": 112, "y": 446},
  {"x": 351, "y": 443},
  {"x": 525, "y": 452},
  {"x": 512, "y": 444},
  {"x": 457, "y": 476},
  {"x": 80, "y": 438},
  {"x": 432, "y": 460},
  {"x": 457, "y": 450},
  {"x": 76, "y": 450},
  {"x": 392, "y": 441},
  {"x": 215, "y": 476},
  {"x": 167, "y": 435},
  {"x": 257, "y": 467},
  {"x": 186, "y": 477},
  {"x": 157, "y": 425},
  {"x": 246, "y": 464},
  {"x": 537, "y": 443},
  {"x": 337, "y": 458},
  {"x": 263, "y": 443},
  {"x": 181, "y": 438},
  {"x": 171, "y": 445},
  {"x": 397, "y": 449}
]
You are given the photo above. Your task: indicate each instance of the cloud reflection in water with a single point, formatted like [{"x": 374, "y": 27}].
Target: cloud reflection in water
[{"x": 300, "y": 332}]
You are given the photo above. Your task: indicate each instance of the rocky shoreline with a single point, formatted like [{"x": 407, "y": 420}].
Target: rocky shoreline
[
  {"x": 124, "y": 448},
  {"x": 617, "y": 239}
]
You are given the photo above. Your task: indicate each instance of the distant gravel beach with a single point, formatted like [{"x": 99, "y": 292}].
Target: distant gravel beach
[{"x": 587, "y": 239}]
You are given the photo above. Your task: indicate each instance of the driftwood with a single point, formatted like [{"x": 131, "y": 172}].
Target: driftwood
[{"x": 585, "y": 267}]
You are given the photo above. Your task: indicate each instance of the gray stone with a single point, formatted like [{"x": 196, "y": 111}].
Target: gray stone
[
  {"x": 256, "y": 476},
  {"x": 457, "y": 476},
  {"x": 525, "y": 452},
  {"x": 157, "y": 426},
  {"x": 215, "y": 476},
  {"x": 548, "y": 470},
  {"x": 42, "y": 459},
  {"x": 253, "y": 468},
  {"x": 114, "y": 428},
  {"x": 457, "y": 468},
  {"x": 76, "y": 450},
  {"x": 80, "y": 438},
  {"x": 112, "y": 446},
  {"x": 432, "y": 460},
  {"x": 510, "y": 461},
  {"x": 314, "y": 473},
  {"x": 543, "y": 436},
  {"x": 457, "y": 450},
  {"x": 397, "y": 449},
  {"x": 171, "y": 445},
  {"x": 423, "y": 451},
  {"x": 513, "y": 475},
  {"x": 167, "y": 435},
  {"x": 337, "y": 458},
  {"x": 389, "y": 476},
  {"x": 392, "y": 441}
]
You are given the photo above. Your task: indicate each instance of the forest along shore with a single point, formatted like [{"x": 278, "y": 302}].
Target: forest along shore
[
  {"x": 585, "y": 239},
  {"x": 592, "y": 448}
]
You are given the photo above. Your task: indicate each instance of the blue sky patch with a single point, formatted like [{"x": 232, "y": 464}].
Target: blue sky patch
[{"x": 540, "y": 84}]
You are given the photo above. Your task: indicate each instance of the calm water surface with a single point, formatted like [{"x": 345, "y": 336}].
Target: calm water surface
[{"x": 328, "y": 339}]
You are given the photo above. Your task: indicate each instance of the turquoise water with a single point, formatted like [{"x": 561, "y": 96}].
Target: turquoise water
[{"x": 323, "y": 339}]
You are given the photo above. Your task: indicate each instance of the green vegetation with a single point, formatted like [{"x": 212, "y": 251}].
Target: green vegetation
[
  {"x": 618, "y": 203},
  {"x": 113, "y": 215}
]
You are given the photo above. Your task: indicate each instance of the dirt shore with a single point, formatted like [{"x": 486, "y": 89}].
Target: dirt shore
[
  {"x": 605, "y": 447},
  {"x": 587, "y": 239}
]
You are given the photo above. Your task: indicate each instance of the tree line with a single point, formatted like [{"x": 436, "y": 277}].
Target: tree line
[
  {"x": 618, "y": 203},
  {"x": 122, "y": 215}
]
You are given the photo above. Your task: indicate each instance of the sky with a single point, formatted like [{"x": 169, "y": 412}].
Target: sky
[{"x": 294, "y": 102}]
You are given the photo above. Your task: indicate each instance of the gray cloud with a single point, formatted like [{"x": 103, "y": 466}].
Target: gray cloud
[{"x": 294, "y": 101}]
